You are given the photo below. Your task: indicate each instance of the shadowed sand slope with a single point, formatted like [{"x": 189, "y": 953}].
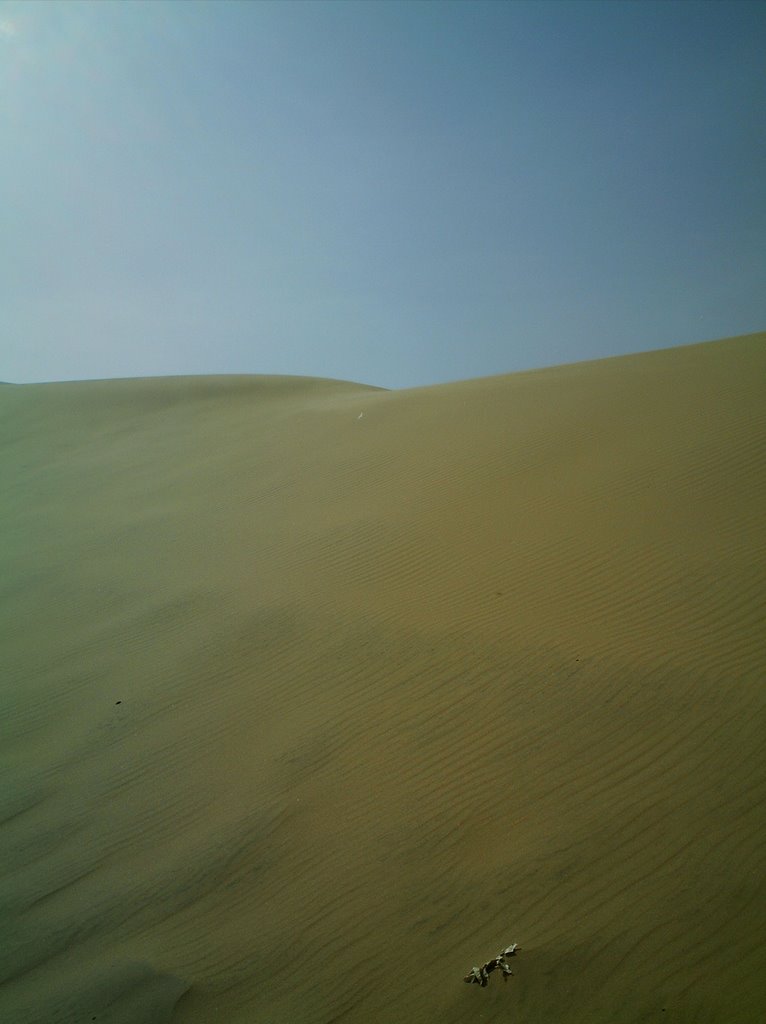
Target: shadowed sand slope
[{"x": 314, "y": 695}]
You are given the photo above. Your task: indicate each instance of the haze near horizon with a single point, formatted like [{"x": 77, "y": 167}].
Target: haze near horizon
[{"x": 396, "y": 194}]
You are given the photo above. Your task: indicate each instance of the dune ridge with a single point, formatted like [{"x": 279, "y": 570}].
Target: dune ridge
[{"x": 313, "y": 695}]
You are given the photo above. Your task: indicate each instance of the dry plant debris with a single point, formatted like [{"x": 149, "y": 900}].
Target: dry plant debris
[{"x": 480, "y": 975}]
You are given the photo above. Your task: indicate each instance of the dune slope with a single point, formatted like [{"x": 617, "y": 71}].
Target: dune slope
[{"x": 314, "y": 695}]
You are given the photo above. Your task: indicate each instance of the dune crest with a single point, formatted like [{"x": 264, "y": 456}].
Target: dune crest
[{"x": 312, "y": 694}]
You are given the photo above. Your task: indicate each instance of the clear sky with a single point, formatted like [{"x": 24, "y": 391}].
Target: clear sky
[{"x": 393, "y": 193}]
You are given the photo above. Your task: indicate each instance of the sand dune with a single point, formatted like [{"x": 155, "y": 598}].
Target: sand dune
[{"x": 313, "y": 695}]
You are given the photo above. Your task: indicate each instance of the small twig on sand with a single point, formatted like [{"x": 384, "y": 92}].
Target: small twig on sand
[{"x": 480, "y": 975}]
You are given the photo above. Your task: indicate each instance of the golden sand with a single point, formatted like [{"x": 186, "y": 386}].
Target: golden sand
[{"x": 314, "y": 695}]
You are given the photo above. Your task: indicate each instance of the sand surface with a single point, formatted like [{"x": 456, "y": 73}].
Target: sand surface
[{"x": 313, "y": 695}]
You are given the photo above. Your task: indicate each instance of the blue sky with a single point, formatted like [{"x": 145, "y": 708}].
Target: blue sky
[{"x": 394, "y": 193}]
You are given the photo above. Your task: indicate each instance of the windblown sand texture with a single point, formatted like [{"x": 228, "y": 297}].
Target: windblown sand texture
[{"x": 315, "y": 695}]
